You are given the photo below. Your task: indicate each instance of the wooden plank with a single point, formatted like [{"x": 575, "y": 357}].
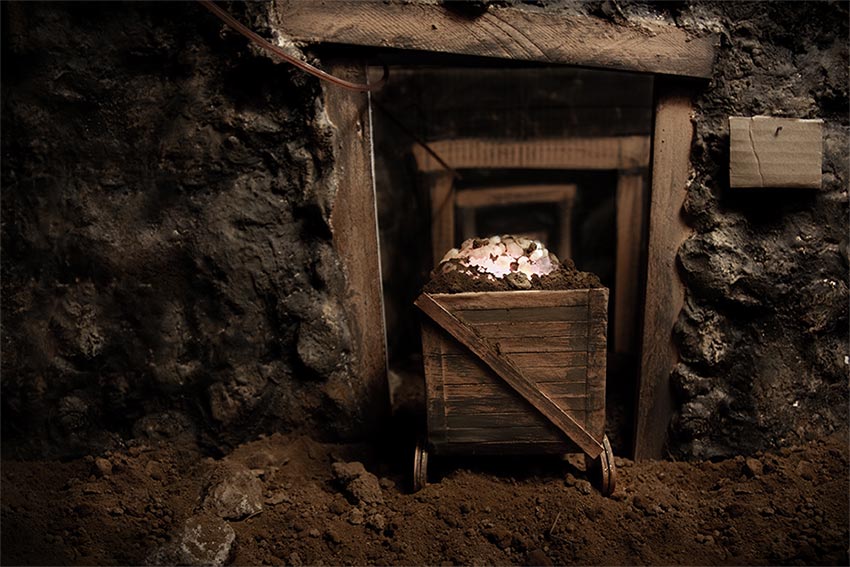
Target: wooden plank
[
  {"x": 501, "y": 448},
  {"x": 527, "y": 314},
  {"x": 565, "y": 229},
  {"x": 442, "y": 214},
  {"x": 494, "y": 420},
  {"x": 618, "y": 152},
  {"x": 566, "y": 390},
  {"x": 664, "y": 289},
  {"x": 528, "y": 434},
  {"x": 511, "y": 374},
  {"x": 513, "y": 195},
  {"x": 435, "y": 375},
  {"x": 542, "y": 345},
  {"x": 563, "y": 350},
  {"x": 468, "y": 370},
  {"x": 557, "y": 330},
  {"x": 524, "y": 359},
  {"x": 353, "y": 223},
  {"x": 630, "y": 239},
  {"x": 523, "y": 34},
  {"x": 596, "y": 362},
  {"x": 775, "y": 152},
  {"x": 511, "y": 404},
  {"x": 512, "y": 299}
]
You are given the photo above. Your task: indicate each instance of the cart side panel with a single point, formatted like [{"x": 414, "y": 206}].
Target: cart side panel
[
  {"x": 468, "y": 403},
  {"x": 435, "y": 405},
  {"x": 597, "y": 359},
  {"x": 546, "y": 334}
]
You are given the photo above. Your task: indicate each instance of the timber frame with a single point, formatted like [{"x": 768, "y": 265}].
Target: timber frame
[
  {"x": 627, "y": 155},
  {"x": 527, "y": 34}
]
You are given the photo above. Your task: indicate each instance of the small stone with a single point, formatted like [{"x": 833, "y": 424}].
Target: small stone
[
  {"x": 387, "y": 483},
  {"x": 805, "y": 470},
  {"x": 518, "y": 280},
  {"x": 358, "y": 482},
  {"x": 313, "y": 532},
  {"x": 338, "y": 506},
  {"x": 333, "y": 536},
  {"x": 584, "y": 487},
  {"x": 377, "y": 522},
  {"x": 278, "y": 497},
  {"x": 234, "y": 492},
  {"x": 641, "y": 503},
  {"x": 102, "y": 467},
  {"x": 155, "y": 470},
  {"x": 500, "y": 536},
  {"x": 205, "y": 540},
  {"x": 356, "y": 517},
  {"x": 753, "y": 467}
]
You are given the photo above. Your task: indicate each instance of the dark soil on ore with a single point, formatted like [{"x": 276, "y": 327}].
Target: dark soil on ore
[
  {"x": 565, "y": 277},
  {"x": 292, "y": 500}
]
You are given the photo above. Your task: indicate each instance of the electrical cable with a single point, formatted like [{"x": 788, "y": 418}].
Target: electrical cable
[{"x": 277, "y": 51}]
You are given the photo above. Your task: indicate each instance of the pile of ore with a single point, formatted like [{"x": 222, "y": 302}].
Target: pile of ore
[{"x": 501, "y": 263}]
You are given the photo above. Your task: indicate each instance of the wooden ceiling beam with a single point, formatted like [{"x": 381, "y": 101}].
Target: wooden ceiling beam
[{"x": 520, "y": 34}]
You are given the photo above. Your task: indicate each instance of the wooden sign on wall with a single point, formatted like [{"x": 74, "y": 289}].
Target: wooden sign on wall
[{"x": 775, "y": 152}]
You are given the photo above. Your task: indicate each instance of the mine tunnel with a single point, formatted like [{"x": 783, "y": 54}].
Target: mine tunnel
[{"x": 424, "y": 283}]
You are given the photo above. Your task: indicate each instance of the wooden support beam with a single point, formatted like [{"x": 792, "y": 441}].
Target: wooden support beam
[
  {"x": 565, "y": 229},
  {"x": 355, "y": 236},
  {"x": 514, "y": 195},
  {"x": 664, "y": 289},
  {"x": 617, "y": 152},
  {"x": 442, "y": 214},
  {"x": 522, "y": 34},
  {"x": 628, "y": 285},
  {"x": 467, "y": 200}
]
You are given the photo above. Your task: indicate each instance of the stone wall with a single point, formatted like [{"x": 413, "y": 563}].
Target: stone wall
[
  {"x": 167, "y": 262},
  {"x": 764, "y": 332}
]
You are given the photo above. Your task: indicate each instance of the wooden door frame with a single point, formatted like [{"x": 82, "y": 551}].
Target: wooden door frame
[{"x": 671, "y": 54}]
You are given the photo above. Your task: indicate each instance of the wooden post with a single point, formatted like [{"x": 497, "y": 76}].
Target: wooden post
[
  {"x": 664, "y": 289},
  {"x": 355, "y": 237},
  {"x": 630, "y": 207},
  {"x": 565, "y": 228},
  {"x": 442, "y": 215}
]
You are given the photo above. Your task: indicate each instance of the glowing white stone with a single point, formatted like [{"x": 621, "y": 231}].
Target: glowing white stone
[{"x": 499, "y": 256}]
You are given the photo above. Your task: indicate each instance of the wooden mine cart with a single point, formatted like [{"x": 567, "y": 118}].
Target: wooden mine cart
[{"x": 516, "y": 372}]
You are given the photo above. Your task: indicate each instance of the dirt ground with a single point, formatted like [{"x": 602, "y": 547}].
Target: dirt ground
[{"x": 301, "y": 502}]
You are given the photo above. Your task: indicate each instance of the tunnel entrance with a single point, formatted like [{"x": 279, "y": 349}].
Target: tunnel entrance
[{"x": 559, "y": 154}]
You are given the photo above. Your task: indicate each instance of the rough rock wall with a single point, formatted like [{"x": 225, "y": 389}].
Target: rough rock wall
[
  {"x": 764, "y": 333},
  {"x": 167, "y": 263}
]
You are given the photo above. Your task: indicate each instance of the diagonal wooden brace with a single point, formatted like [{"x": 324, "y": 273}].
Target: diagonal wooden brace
[{"x": 510, "y": 373}]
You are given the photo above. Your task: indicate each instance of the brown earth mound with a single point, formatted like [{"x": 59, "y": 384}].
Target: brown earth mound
[{"x": 291, "y": 500}]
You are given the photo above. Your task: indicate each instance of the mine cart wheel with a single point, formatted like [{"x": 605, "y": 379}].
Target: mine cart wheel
[
  {"x": 603, "y": 468},
  {"x": 420, "y": 466}
]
